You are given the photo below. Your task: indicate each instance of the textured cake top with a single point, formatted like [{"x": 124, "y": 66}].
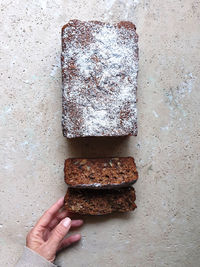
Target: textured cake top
[{"x": 99, "y": 71}]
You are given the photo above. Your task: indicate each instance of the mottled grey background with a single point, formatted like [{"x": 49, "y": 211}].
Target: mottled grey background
[{"x": 165, "y": 229}]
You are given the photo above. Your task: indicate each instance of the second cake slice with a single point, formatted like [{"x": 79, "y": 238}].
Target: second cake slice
[
  {"x": 100, "y": 202},
  {"x": 100, "y": 173}
]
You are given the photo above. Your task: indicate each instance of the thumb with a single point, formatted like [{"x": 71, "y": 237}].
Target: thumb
[{"x": 58, "y": 233}]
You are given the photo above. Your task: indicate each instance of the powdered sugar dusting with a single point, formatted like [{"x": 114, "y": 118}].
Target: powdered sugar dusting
[{"x": 100, "y": 64}]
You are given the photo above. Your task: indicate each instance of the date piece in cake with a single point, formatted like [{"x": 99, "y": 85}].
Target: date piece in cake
[
  {"x": 100, "y": 202},
  {"x": 100, "y": 173},
  {"x": 99, "y": 76}
]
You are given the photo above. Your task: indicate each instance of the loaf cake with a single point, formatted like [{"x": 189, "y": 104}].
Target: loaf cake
[
  {"x": 100, "y": 202},
  {"x": 100, "y": 173},
  {"x": 99, "y": 76}
]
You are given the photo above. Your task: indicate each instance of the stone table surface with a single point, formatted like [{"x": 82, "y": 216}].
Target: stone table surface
[{"x": 165, "y": 228}]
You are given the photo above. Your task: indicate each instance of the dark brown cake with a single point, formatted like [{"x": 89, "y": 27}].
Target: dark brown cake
[
  {"x": 99, "y": 76},
  {"x": 100, "y": 173},
  {"x": 99, "y": 202}
]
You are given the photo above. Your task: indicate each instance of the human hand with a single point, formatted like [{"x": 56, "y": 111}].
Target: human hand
[{"x": 48, "y": 235}]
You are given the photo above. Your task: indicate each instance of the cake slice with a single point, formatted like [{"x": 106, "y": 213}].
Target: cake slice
[
  {"x": 99, "y": 77},
  {"x": 100, "y": 173},
  {"x": 100, "y": 202}
]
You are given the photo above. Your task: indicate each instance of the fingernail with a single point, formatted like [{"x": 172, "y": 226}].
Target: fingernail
[{"x": 66, "y": 222}]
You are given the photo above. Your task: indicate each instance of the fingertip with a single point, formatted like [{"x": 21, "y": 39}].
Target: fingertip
[
  {"x": 80, "y": 222},
  {"x": 66, "y": 242},
  {"x": 77, "y": 223},
  {"x": 61, "y": 200},
  {"x": 77, "y": 236}
]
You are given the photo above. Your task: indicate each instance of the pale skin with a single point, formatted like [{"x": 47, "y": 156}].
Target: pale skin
[{"x": 47, "y": 237}]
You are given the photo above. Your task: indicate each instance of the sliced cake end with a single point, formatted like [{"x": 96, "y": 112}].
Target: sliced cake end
[{"x": 100, "y": 202}]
